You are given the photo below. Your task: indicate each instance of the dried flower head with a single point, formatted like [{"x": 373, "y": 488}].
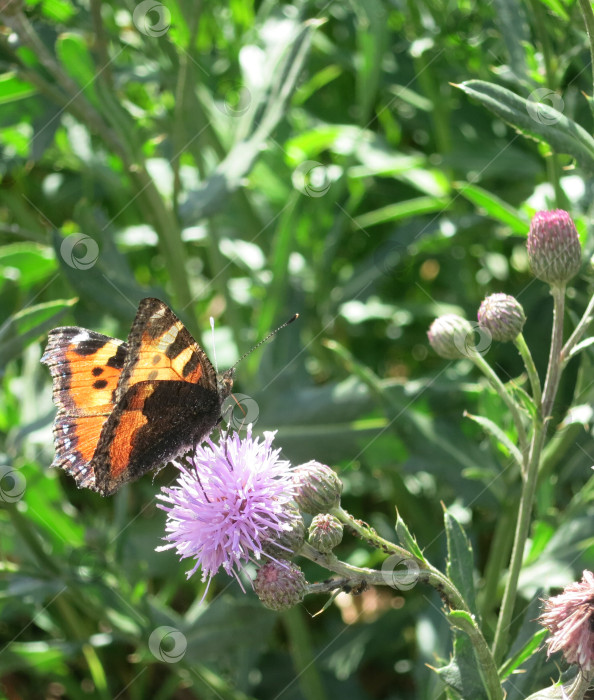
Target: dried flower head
[
  {"x": 503, "y": 316},
  {"x": 280, "y": 585},
  {"x": 569, "y": 617},
  {"x": 317, "y": 488},
  {"x": 554, "y": 249},
  {"x": 451, "y": 337},
  {"x": 227, "y": 503}
]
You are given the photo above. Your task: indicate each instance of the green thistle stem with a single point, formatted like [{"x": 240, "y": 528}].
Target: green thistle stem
[{"x": 526, "y": 355}]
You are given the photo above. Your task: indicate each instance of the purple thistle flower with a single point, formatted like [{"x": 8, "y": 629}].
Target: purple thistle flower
[
  {"x": 569, "y": 617},
  {"x": 232, "y": 498}
]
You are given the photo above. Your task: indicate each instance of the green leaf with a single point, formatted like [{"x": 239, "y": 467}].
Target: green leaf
[
  {"x": 531, "y": 647},
  {"x": 536, "y": 119},
  {"x": 77, "y": 61},
  {"x": 402, "y": 210},
  {"x": 462, "y": 674},
  {"x": 28, "y": 325},
  {"x": 511, "y": 18},
  {"x": 27, "y": 263},
  {"x": 494, "y": 207},
  {"x": 13, "y": 88},
  {"x": 406, "y": 539},
  {"x": 495, "y": 431},
  {"x": 460, "y": 563}
]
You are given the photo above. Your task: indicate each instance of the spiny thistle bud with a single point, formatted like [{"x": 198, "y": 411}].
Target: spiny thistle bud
[
  {"x": 503, "y": 316},
  {"x": 554, "y": 249},
  {"x": 317, "y": 488},
  {"x": 569, "y": 617},
  {"x": 450, "y": 335},
  {"x": 280, "y": 585},
  {"x": 325, "y": 532},
  {"x": 286, "y": 543}
]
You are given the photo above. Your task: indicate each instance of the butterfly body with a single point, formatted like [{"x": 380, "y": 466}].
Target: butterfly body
[{"x": 126, "y": 408}]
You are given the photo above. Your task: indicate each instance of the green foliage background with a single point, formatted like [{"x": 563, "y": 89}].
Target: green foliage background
[{"x": 250, "y": 161}]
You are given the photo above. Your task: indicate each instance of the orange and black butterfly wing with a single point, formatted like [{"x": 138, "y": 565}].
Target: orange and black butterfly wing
[
  {"x": 166, "y": 400},
  {"x": 85, "y": 367}
]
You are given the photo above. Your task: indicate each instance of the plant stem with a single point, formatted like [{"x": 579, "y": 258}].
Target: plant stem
[
  {"x": 531, "y": 477},
  {"x": 579, "y": 331},
  {"x": 526, "y": 355},
  {"x": 586, "y": 9},
  {"x": 497, "y": 384}
]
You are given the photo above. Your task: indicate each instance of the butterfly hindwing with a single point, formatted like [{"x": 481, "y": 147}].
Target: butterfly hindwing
[{"x": 85, "y": 367}]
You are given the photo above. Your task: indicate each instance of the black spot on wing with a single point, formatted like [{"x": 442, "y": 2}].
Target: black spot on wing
[
  {"x": 181, "y": 342},
  {"x": 97, "y": 371},
  {"x": 89, "y": 347},
  {"x": 191, "y": 364},
  {"x": 100, "y": 384},
  {"x": 117, "y": 361}
]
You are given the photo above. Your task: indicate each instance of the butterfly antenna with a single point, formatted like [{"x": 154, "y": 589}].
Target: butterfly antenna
[
  {"x": 264, "y": 340},
  {"x": 214, "y": 349}
]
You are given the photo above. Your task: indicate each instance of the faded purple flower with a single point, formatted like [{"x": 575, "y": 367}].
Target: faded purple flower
[
  {"x": 280, "y": 585},
  {"x": 503, "y": 316},
  {"x": 228, "y": 503},
  {"x": 569, "y": 617}
]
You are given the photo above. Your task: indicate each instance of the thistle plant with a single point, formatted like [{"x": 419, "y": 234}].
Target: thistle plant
[{"x": 237, "y": 502}]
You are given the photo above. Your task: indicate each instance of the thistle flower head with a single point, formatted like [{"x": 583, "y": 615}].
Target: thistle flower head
[
  {"x": 503, "y": 316},
  {"x": 227, "y": 503},
  {"x": 317, "y": 488},
  {"x": 450, "y": 335},
  {"x": 286, "y": 543},
  {"x": 325, "y": 532},
  {"x": 280, "y": 585},
  {"x": 554, "y": 249},
  {"x": 569, "y": 617}
]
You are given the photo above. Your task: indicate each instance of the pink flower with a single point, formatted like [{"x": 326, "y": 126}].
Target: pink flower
[
  {"x": 228, "y": 503},
  {"x": 569, "y": 617}
]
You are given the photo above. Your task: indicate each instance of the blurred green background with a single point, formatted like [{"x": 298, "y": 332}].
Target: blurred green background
[{"x": 247, "y": 161}]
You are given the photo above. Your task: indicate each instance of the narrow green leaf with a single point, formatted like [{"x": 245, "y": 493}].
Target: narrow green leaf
[
  {"x": 13, "y": 89},
  {"x": 495, "y": 207},
  {"x": 531, "y": 647},
  {"x": 406, "y": 539},
  {"x": 581, "y": 346},
  {"x": 402, "y": 210},
  {"x": 460, "y": 564},
  {"x": 511, "y": 18},
  {"x": 495, "y": 431},
  {"x": 535, "y": 118},
  {"x": 27, "y": 263}
]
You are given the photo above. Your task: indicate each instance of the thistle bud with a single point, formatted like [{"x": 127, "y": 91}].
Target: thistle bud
[
  {"x": 286, "y": 543},
  {"x": 280, "y": 585},
  {"x": 503, "y": 316},
  {"x": 317, "y": 488},
  {"x": 554, "y": 249},
  {"x": 450, "y": 336},
  {"x": 569, "y": 618},
  {"x": 325, "y": 533}
]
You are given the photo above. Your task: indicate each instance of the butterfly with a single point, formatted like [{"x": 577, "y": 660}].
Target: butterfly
[{"x": 127, "y": 408}]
